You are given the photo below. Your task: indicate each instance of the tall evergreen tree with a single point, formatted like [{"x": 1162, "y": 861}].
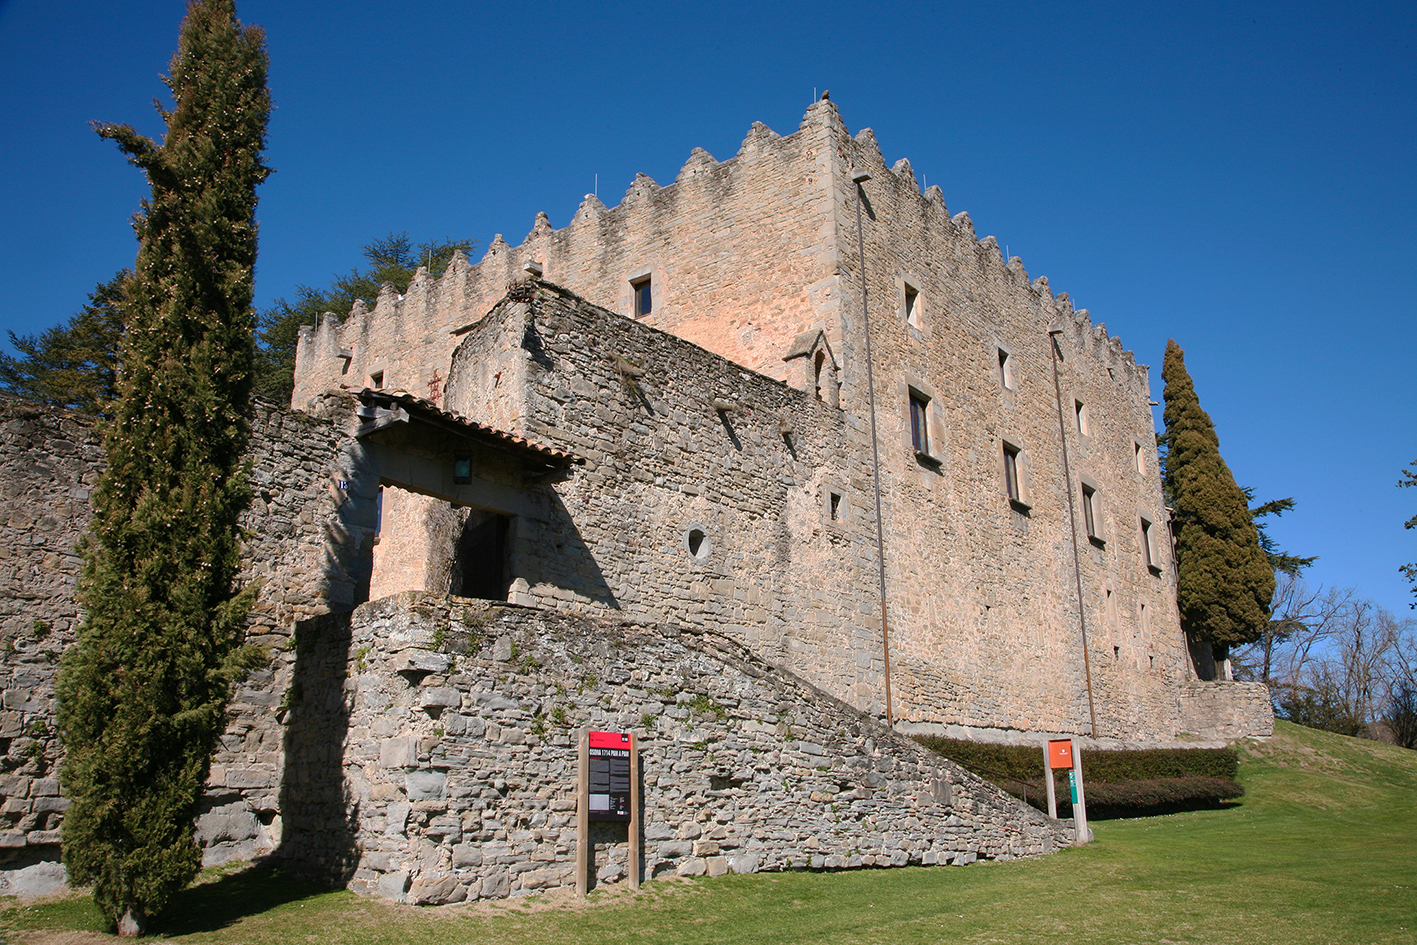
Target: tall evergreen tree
[
  {"x": 73, "y": 365},
  {"x": 1225, "y": 579},
  {"x": 143, "y": 691}
]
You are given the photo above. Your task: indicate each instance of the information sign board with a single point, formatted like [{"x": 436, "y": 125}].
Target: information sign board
[
  {"x": 609, "y": 795},
  {"x": 1060, "y": 753}
]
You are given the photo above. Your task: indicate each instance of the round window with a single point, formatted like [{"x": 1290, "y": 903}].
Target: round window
[{"x": 696, "y": 542}]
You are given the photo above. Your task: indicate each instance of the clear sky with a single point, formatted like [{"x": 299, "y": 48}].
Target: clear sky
[{"x": 1239, "y": 177}]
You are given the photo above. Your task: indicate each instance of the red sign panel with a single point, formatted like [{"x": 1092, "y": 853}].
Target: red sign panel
[
  {"x": 609, "y": 740},
  {"x": 1060, "y": 753},
  {"x": 610, "y": 793}
]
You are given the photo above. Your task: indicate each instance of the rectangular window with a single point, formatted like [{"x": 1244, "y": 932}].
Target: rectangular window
[
  {"x": 376, "y": 380},
  {"x": 912, "y": 306},
  {"x": 1082, "y": 417},
  {"x": 834, "y": 506},
  {"x": 644, "y": 297},
  {"x": 1011, "y": 481},
  {"x": 1090, "y": 514},
  {"x": 920, "y": 422},
  {"x": 1006, "y": 369},
  {"x": 1141, "y": 459},
  {"x": 462, "y": 469},
  {"x": 1147, "y": 551}
]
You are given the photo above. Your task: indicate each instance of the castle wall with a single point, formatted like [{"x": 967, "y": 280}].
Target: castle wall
[
  {"x": 50, "y": 461},
  {"x": 983, "y": 600},
  {"x": 981, "y": 591},
  {"x": 774, "y": 569},
  {"x": 458, "y": 781},
  {"x": 739, "y": 254}
]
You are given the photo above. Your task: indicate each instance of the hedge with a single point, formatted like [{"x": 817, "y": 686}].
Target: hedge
[{"x": 1118, "y": 782}]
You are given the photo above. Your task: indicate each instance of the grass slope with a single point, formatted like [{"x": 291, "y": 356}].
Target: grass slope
[{"x": 1323, "y": 848}]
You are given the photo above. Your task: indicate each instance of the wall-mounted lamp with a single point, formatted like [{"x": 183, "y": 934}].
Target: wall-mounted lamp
[{"x": 462, "y": 470}]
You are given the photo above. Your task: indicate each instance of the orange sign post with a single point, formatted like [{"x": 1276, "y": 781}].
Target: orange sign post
[{"x": 1062, "y": 755}]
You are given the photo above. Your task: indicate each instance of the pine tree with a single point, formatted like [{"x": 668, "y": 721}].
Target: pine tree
[
  {"x": 73, "y": 365},
  {"x": 143, "y": 691},
  {"x": 1225, "y": 579}
]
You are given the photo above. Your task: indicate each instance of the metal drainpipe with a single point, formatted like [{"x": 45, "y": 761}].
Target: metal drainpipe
[
  {"x": 859, "y": 178},
  {"x": 1072, "y": 521}
]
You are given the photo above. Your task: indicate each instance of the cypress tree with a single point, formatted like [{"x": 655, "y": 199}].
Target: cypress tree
[
  {"x": 143, "y": 692},
  {"x": 1225, "y": 579}
]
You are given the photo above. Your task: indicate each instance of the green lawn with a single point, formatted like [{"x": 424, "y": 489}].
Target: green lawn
[{"x": 1323, "y": 848}]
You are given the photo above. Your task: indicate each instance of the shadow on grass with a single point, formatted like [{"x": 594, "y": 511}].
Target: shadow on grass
[{"x": 208, "y": 907}]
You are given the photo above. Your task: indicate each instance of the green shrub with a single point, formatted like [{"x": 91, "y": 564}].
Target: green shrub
[{"x": 1116, "y": 782}]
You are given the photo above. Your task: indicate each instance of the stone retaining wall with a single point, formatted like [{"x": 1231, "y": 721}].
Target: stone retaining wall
[{"x": 460, "y": 721}]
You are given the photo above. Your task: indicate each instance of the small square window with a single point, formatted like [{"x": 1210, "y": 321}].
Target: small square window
[
  {"x": 1006, "y": 369},
  {"x": 376, "y": 380},
  {"x": 920, "y": 422},
  {"x": 1090, "y": 515},
  {"x": 1082, "y": 418},
  {"x": 462, "y": 469},
  {"x": 912, "y": 306},
  {"x": 644, "y": 297}
]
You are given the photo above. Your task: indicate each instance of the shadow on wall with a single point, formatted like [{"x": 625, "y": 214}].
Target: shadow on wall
[
  {"x": 319, "y": 820},
  {"x": 562, "y": 558}
]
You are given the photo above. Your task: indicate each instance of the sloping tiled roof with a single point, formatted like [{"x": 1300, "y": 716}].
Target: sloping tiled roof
[{"x": 427, "y": 410}]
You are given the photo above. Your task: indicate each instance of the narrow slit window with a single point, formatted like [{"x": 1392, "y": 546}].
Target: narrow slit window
[
  {"x": 644, "y": 297},
  {"x": 912, "y": 306},
  {"x": 1089, "y": 514},
  {"x": 834, "y": 506},
  {"x": 919, "y": 422},
  {"x": 1141, "y": 459},
  {"x": 1147, "y": 552},
  {"x": 1006, "y": 369},
  {"x": 1082, "y": 417},
  {"x": 1011, "y": 481}
]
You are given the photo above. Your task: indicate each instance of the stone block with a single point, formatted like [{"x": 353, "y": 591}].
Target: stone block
[
  {"x": 393, "y": 885},
  {"x": 716, "y": 865},
  {"x": 38, "y": 879},
  {"x": 743, "y": 863},
  {"x": 425, "y": 785},
  {"x": 396, "y": 819},
  {"x": 436, "y": 890},
  {"x": 695, "y": 866},
  {"x": 398, "y": 752},
  {"x": 439, "y": 697}
]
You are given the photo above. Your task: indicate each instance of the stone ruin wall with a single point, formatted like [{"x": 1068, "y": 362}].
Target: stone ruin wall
[
  {"x": 740, "y": 255},
  {"x": 49, "y": 463},
  {"x": 460, "y": 721}
]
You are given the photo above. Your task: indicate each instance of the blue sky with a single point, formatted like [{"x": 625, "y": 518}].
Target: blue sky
[{"x": 1241, "y": 177}]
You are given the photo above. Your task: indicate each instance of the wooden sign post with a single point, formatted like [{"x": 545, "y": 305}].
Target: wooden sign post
[
  {"x": 608, "y": 788},
  {"x": 1062, "y": 754}
]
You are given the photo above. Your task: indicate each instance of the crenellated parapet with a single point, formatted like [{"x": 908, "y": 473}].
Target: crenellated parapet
[{"x": 729, "y": 253}]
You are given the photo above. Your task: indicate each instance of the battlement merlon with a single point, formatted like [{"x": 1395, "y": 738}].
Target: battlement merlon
[{"x": 740, "y": 256}]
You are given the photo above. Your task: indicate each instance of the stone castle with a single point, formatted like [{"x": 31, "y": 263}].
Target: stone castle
[{"x": 773, "y": 465}]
